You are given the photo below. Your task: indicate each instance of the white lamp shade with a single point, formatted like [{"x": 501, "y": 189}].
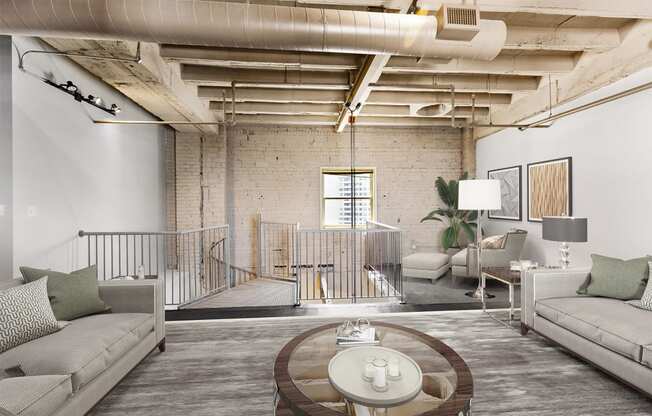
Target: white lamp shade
[{"x": 479, "y": 194}]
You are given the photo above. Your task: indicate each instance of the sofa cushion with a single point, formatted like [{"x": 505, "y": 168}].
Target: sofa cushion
[
  {"x": 72, "y": 295},
  {"x": 608, "y": 322},
  {"x": 459, "y": 258},
  {"x": 34, "y": 396},
  {"x": 25, "y": 314},
  {"x": 83, "y": 349},
  {"x": 647, "y": 355},
  {"x": 616, "y": 278},
  {"x": 425, "y": 261}
]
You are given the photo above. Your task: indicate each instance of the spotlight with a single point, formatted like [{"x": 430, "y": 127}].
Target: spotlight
[
  {"x": 115, "y": 109},
  {"x": 71, "y": 87},
  {"x": 96, "y": 100}
]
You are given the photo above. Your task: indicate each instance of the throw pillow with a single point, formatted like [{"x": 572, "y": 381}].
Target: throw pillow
[
  {"x": 493, "y": 242},
  {"x": 646, "y": 299},
  {"x": 616, "y": 278},
  {"x": 26, "y": 314},
  {"x": 72, "y": 295}
]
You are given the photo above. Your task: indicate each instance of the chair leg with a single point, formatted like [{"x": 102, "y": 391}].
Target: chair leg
[{"x": 161, "y": 345}]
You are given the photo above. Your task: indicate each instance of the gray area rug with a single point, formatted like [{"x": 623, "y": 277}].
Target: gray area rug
[{"x": 225, "y": 368}]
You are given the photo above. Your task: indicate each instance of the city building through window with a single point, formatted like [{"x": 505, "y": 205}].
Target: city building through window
[{"x": 337, "y": 199}]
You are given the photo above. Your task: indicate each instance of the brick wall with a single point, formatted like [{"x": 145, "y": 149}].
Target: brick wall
[{"x": 276, "y": 170}]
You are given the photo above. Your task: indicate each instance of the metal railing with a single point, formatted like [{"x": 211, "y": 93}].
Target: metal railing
[
  {"x": 193, "y": 264},
  {"x": 276, "y": 252},
  {"x": 338, "y": 265}
]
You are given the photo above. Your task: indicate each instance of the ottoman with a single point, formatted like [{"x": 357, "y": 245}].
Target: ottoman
[{"x": 426, "y": 265}]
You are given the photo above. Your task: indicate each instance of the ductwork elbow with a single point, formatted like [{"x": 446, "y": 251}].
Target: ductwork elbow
[{"x": 238, "y": 25}]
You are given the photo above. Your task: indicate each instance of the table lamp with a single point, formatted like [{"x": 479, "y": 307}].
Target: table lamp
[
  {"x": 479, "y": 195},
  {"x": 565, "y": 230}
]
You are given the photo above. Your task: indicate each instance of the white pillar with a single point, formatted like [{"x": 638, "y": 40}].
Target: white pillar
[{"x": 6, "y": 162}]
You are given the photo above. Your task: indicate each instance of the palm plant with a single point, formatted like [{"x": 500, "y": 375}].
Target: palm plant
[{"x": 458, "y": 221}]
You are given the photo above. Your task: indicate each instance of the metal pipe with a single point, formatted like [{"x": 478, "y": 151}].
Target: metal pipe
[
  {"x": 157, "y": 122},
  {"x": 246, "y": 25},
  {"x": 587, "y": 106}
]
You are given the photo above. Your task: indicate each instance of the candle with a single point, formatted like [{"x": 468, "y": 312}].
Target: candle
[
  {"x": 369, "y": 368},
  {"x": 393, "y": 369},
  {"x": 380, "y": 374}
]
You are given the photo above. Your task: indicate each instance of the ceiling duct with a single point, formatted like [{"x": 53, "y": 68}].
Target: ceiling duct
[{"x": 239, "y": 25}]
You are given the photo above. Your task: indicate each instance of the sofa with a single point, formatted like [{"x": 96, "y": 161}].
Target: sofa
[
  {"x": 611, "y": 334},
  {"x": 69, "y": 371},
  {"x": 465, "y": 262}
]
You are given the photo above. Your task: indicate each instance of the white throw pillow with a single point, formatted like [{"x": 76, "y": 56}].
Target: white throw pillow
[
  {"x": 493, "y": 242},
  {"x": 646, "y": 300},
  {"x": 25, "y": 314}
]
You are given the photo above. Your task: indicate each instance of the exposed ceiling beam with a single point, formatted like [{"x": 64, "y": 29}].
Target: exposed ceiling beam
[
  {"x": 508, "y": 64},
  {"x": 223, "y": 77},
  {"x": 593, "y": 71},
  {"x": 398, "y": 98},
  {"x": 503, "y": 64},
  {"x": 218, "y": 76},
  {"x": 256, "y": 58},
  {"x": 154, "y": 84},
  {"x": 561, "y": 39},
  {"x": 270, "y": 95},
  {"x": 306, "y": 120},
  {"x": 333, "y": 109}
]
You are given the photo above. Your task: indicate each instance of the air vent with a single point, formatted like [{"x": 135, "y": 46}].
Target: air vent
[{"x": 457, "y": 23}]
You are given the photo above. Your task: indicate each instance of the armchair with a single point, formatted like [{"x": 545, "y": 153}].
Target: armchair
[{"x": 465, "y": 263}]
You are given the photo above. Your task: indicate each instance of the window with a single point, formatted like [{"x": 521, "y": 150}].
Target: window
[{"x": 337, "y": 204}]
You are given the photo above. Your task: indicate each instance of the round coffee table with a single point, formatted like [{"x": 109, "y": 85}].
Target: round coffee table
[{"x": 304, "y": 388}]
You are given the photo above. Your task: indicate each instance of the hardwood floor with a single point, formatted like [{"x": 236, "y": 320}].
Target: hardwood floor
[{"x": 225, "y": 368}]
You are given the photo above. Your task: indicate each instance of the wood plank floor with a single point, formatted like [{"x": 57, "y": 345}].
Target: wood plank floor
[{"x": 225, "y": 368}]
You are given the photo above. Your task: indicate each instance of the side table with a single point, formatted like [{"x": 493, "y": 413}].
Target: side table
[{"x": 511, "y": 278}]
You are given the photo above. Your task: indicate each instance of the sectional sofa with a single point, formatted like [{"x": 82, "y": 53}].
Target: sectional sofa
[
  {"x": 69, "y": 371},
  {"x": 611, "y": 334}
]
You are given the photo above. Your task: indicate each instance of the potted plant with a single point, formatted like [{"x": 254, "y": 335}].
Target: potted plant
[{"x": 457, "y": 221}]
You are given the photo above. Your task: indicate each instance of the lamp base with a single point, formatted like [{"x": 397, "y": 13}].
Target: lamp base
[{"x": 477, "y": 294}]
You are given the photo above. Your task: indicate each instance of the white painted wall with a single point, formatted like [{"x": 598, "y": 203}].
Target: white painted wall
[
  {"x": 611, "y": 146},
  {"x": 6, "y": 171},
  {"x": 75, "y": 174}
]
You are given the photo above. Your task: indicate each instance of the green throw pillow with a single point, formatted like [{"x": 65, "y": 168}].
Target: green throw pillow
[
  {"x": 616, "y": 278},
  {"x": 72, "y": 295}
]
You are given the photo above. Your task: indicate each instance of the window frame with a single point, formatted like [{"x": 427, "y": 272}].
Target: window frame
[{"x": 345, "y": 171}]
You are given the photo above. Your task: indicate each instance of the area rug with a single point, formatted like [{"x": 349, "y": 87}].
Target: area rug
[{"x": 225, "y": 368}]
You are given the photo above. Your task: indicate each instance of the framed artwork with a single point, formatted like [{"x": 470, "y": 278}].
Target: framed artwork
[
  {"x": 549, "y": 189},
  {"x": 510, "y": 193}
]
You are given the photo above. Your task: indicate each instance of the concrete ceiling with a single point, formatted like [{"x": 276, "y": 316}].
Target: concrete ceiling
[{"x": 548, "y": 41}]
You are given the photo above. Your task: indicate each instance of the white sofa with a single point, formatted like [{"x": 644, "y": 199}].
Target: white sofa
[
  {"x": 69, "y": 371},
  {"x": 608, "y": 333}
]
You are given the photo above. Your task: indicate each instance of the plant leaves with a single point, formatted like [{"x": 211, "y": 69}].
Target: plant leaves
[
  {"x": 469, "y": 229},
  {"x": 448, "y": 238},
  {"x": 444, "y": 192}
]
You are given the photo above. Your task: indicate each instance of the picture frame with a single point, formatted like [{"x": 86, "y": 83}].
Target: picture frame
[
  {"x": 510, "y": 193},
  {"x": 550, "y": 188}
]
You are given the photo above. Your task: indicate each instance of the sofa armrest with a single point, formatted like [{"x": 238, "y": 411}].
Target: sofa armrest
[
  {"x": 548, "y": 283},
  {"x": 136, "y": 296}
]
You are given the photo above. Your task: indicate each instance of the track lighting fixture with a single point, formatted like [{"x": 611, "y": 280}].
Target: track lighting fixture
[{"x": 70, "y": 88}]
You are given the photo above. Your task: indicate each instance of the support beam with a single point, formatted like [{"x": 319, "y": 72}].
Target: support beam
[
  {"x": 153, "y": 84},
  {"x": 217, "y": 76},
  {"x": 223, "y": 77},
  {"x": 593, "y": 71},
  {"x": 256, "y": 58},
  {"x": 503, "y": 64},
  {"x": 279, "y": 108},
  {"x": 271, "y": 95},
  {"x": 468, "y": 152},
  {"x": 6, "y": 160},
  {"x": 403, "y": 98},
  {"x": 304, "y": 120},
  {"x": 525, "y": 38}
]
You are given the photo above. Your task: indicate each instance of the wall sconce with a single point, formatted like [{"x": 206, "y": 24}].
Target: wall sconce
[{"x": 71, "y": 89}]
